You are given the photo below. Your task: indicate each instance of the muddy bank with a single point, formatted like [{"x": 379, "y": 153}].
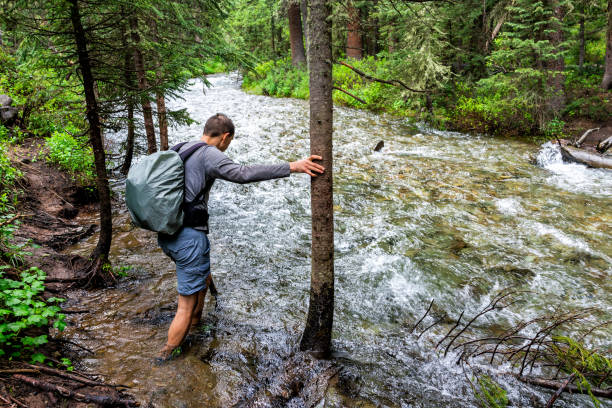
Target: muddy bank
[{"x": 50, "y": 202}]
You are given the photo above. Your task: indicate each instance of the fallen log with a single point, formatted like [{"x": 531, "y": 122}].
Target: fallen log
[
  {"x": 604, "y": 145},
  {"x": 591, "y": 159},
  {"x": 556, "y": 385},
  {"x": 584, "y": 136},
  {"x": 68, "y": 393}
]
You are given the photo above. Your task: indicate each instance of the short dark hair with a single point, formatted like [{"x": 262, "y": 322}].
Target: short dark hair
[{"x": 218, "y": 124}]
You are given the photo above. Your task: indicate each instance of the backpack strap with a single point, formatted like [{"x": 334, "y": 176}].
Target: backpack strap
[{"x": 191, "y": 150}]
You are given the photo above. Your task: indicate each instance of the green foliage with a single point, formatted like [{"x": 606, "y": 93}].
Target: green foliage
[
  {"x": 72, "y": 153},
  {"x": 488, "y": 393},
  {"x": 43, "y": 95},
  {"x": 590, "y": 368},
  {"x": 22, "y": 308},
  {"x": 554, "y": 129}
]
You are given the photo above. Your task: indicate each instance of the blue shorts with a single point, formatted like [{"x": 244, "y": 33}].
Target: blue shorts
[{"x": 190, "y": 251}]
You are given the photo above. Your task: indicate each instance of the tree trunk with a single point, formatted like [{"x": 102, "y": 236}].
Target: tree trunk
[
  {"x": 99, "y": 255},
  {"x": 296, "y": 37},
  {"x": 556, "y": 65},
  {"x": 129, "y": 144},
  {"x": 373, "y": 33},
  {"x": 304, "y": 12},
  {"x": 318, "y": 330},
  {"x": 582, "y": 51},
  {"x": 273, "y": 32},
  {"x": 128, "y": 79},
  {"x": 606, "y": 82},
  {"x": 162, "y": 120},
  {"x": 147, "y": 111},
  {"x": 353, "y": 36}
]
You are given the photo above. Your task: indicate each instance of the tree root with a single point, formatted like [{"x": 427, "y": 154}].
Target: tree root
[{"x": 81, "y": 397}]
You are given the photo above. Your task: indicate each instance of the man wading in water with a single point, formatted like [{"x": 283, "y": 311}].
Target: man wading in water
[{"x": 189, "y": 247}]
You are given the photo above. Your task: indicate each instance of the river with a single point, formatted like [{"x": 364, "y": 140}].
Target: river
[{"x": 433, "y": 215}]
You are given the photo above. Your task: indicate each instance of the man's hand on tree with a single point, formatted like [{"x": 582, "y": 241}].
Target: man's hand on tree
[{"x": 307, "y": 166}]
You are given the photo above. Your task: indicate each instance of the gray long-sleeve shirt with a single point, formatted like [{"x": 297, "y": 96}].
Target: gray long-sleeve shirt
[{"x": 208, "y": 164}]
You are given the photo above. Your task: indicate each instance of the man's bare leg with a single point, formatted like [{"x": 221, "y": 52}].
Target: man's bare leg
[
  {"x": 180, "y": 324},
  {"x": 197, "y": 311}
]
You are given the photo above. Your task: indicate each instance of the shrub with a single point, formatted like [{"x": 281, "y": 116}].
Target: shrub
[
  {"x": 72, "y": 153},
  {"x": 22, "y": 308}
]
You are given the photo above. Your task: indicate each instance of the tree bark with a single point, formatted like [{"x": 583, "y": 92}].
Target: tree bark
[
  {"x": 296, "y": 37},
  {"x": 556, "y": 65},
  {"x": 128, "y": 78},
  {"x": 95, "y": 137},
  {"x": 606, "y": 82},
  {"x": 353, "y": 36},
  {"x": 143, "y": 86},
  {"x": 582, "y": 51},
  {"x": 318, "y": 330},
  {"x": 162, "y": 120},
  {"x": 304, "y": 12}
]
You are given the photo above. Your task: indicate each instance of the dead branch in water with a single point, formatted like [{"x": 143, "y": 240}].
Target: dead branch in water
[
  {"x": 565, "y": 364},
  {"x": 423, "y": 317}
]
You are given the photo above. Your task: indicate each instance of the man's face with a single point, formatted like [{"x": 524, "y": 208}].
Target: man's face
[{"x": 226, "y": 139}]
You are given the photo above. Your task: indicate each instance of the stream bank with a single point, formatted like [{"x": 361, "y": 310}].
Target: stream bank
[{"x": 48, "y": 210}]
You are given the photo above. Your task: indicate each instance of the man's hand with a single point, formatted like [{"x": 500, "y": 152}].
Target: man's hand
[{"x": 307, "y": 166}]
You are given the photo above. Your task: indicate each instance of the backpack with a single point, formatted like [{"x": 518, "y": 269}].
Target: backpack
[{"x": 155, "y": 190}]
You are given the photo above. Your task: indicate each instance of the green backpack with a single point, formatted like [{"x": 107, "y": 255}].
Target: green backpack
[{"x": 155, "y": 189}]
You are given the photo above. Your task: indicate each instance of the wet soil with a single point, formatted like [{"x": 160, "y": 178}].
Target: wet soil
[{"x": 50, "y": 202}]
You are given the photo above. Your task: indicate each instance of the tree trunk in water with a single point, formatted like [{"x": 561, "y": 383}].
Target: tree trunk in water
[
  {"x": 304, "y": 12},
  {"x": 318, "y": 330},
  {"x": 556, "y": 65},
  {"x": 162, "y": 120},
  {"x": 99, "y": 255},
  {"x": 606, "y": 82},
  {"x": 353, "y": 36},
  {"x": 296, "y": 38},
  {"x": 147, "y": 111}
]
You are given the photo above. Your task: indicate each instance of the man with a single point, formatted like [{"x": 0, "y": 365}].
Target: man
[{"x": 189, "y": 248}]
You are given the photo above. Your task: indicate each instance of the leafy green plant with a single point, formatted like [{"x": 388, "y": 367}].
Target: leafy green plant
[
  {"x": 488, "y": 393},
  {"x": 590, "y": 368},
  {"x": 554, "y": 129},
  {"x": 23, "y": 308},
  {"x": 72, "y": 153}
]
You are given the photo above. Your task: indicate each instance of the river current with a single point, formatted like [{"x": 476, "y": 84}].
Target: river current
[{"x": 433, "y": 215}]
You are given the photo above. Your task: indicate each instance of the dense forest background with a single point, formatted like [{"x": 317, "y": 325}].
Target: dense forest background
[{"x": 512, "y": 68}]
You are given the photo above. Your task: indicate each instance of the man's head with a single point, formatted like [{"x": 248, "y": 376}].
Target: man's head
[{"x": 219, "y": 131}]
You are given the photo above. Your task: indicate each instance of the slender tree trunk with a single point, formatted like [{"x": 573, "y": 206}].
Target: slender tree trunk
[
  {"x": 129, "y": 144},
  {"x": 353, "y": 36},
  {"x": 296, "y": 37},
  {"x": 318, "y": 330},
  {"x": 304, "y": 12},
  {"x": 556, "y": 65},
  {"x": 374, "y": 32},
  {"x": 273, "y": 32},
  {"x": 162, "y": 120},
  {"x": 582, "y": 51},
  {"x": 606, "y": 82},
  {"x": 143, "y": 86},
  {"x": 100, "y": 254}
]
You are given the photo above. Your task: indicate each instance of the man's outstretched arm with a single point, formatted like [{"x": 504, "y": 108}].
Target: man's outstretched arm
[{"x": 218, "y": 165}]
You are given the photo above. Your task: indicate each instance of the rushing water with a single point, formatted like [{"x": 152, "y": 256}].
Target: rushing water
[{"x": 434, "y": 215}]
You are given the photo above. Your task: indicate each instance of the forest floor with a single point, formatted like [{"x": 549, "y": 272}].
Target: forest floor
[{"x": 51, "y": 200}]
